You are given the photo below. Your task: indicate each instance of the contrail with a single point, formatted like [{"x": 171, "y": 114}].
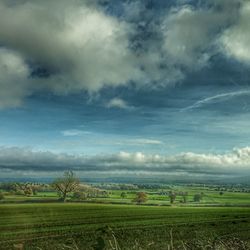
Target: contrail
[{"x": 215, "y": 98}]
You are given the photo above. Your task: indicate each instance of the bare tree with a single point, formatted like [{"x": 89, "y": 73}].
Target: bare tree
[
  {"x": 66, "y": 184},
  {"x": 26, "y": 188}
]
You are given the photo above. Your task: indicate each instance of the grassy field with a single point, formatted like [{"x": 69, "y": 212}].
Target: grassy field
[
  {"x": 93, "y": 226},
  {"x": 210, "y": 197}
]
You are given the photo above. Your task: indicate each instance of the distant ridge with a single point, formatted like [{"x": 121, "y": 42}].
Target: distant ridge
[{"x": 141, "y": 180}]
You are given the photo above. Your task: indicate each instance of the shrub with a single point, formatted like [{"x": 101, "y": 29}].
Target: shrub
[
  {"x": 1, "y": 196},
  {"x": 197, "y": 197},
  {"x": 185, "y": 198},
  {"x": 19, "y": 192},
  {"x": 28, "y": 191},
  {"x": 141, "y": 197},
  {"x": 79, "y": 196},
  {"x": 123, "y": 195}
]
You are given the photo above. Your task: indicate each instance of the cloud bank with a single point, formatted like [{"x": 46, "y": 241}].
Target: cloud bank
[{"x": 236, "y": 162}]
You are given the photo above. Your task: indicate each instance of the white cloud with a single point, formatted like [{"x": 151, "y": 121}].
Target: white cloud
[
  {"x": 146, "y": 141},
  {"x": 191, "y": 33},
  {"x": 13, "y": 79},
  {"x": 80, "y": 46},
  {"x": 236, "y": 39},
  {"x": 118, "y": 103},
  {"x": 74, "y": 132},
  {"x": 140, "y": 142},
  {"x": 217, "y": 98}
]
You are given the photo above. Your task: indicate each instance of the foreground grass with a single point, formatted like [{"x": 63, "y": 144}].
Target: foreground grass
[{"x": 54, "y": 226}]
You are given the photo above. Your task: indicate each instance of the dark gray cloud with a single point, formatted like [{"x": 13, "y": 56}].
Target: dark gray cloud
[
  {"x": 78, "y": 45},
  {"x": 73, "y": 46}
]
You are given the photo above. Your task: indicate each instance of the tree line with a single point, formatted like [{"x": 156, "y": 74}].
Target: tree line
[{"x": 70, "y": 184}]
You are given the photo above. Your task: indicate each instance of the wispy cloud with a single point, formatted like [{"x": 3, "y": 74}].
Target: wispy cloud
[
  {"x": 74, "y": 132},
  {"x": 140, "y": 142},
  {"x": 216, "y": 98}
]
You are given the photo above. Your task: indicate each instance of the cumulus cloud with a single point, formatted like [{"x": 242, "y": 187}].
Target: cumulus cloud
[
  {"x": 75, "y": 44},
  {"x": 191, "y": 33},
  {"x": 235, "y": 163},
  {"x": 13, "y": 79},
  {"x": 70, "y": 46},
  {"x": 174, "y": 42},
  {"x": 236, "y": 39}
]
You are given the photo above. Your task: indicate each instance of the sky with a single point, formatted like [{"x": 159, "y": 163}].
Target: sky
[{"x": 125, "y": 88}]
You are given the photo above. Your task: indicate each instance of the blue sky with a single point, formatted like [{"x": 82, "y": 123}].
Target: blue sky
[{"x": 125, "y": 80}]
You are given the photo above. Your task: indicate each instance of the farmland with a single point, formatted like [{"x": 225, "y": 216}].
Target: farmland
[
  {"x": 155, "y": 196},
  {"x": 88, "y": 226},
  {"x": 107, "y": 216}
]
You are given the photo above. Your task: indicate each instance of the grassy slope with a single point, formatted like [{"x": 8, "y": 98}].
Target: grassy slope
[{"x": 147, "y": 226}]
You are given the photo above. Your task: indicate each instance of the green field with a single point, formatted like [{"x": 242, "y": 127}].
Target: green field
[
  {"x": 83, "y": 226},
  {"x": 210, "y": 197}
]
